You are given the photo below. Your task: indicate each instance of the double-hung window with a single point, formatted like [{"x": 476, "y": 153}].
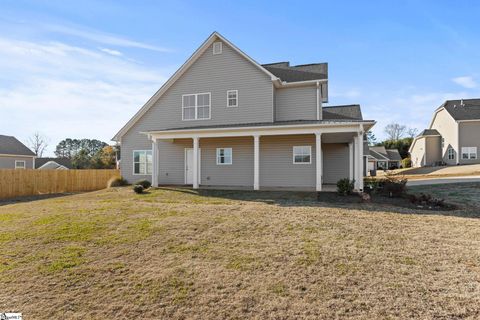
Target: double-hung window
[
  {"x": 469, "y": 153},
  {"x": 302, "y": 154},
  {"x": 224, "y": 156},
  {"x": 20, "y": 164},
  {"x": 451, "y": 154},
  {"x": 142, "y": 162},
  {"x": 232, "y": 98},
  {"x": 196, "y": 106}
]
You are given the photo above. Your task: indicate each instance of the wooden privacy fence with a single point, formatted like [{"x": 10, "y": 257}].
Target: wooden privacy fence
[{"x": 16, "y": 183}]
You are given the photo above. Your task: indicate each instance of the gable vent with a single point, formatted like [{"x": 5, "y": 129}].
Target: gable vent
[{"x": 217, "y": 48}]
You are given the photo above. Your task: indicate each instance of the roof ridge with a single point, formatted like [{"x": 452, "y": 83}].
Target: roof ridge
[{"x": 343, "y": 105}]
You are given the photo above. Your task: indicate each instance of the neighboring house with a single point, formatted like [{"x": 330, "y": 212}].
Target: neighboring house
[
  {"x": 14, "y": 154},
  {"x": 223, "y": 120},
  {"x": 53, "y": 163},
  {"x": 452, "y": 138},
  {"x": 384, "y": 159}
]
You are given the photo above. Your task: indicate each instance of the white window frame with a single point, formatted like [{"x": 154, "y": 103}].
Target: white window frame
[
  {"x": 219, "y": 46},
  {"x": 146, "y": 163},
  {"x": 196, "y": 106},
  {"x": 228, "y": 99},
  {"x": 218, "y": 157},
  {"x": 469, "y": 151},
  {"x": 450, "y": 153},
  {"x": 298, "y": 154},
  {"x": 20, "y": 161}
]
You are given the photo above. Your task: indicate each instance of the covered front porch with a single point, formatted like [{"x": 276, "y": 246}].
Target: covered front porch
[{"x": 297, "y": 157}]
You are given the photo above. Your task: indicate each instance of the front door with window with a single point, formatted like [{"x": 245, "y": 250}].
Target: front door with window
[{"x": 189, "y": 165}]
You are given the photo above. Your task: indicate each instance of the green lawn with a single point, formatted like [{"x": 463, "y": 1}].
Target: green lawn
[{"x": 176, "y": 254}]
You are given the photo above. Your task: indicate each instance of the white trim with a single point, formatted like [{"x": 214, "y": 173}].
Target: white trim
[
  {"x": 217, "y": 47},
  {"x": 469, "y": 152},
  {"x": 236, "y": 99},
  {"x": 448, "y": 153},
  {"x": 24, "y": 164},
  {"x": 309, "y": 151},
  {"x": 469, "y": 120},
  {"x": 183, "y": 68},
  {"x": 196, "y": 155},
  {"x": 196, "y": 106},
  {"x": 302, "y": 83},
  {"x": 52, "y": 161},
  {"x": 318, "y": 100},
  {"x": 154, "y": 163},
  {"x": 256, "y": 162},
  {"x": 15, "y": 155},
  {"x": 185, "y": 165},
  {"x": 146, "y": 163},
  {"x": 217, "y": 156},
  {"x": 350, "y": 161},
  {"x": 318, "y": 162}
]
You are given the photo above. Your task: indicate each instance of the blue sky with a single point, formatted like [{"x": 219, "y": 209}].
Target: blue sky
[{"x": 83, "y": 68}]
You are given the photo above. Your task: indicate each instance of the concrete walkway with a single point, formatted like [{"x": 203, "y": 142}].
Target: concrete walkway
[{"x": 429, "y": 181}]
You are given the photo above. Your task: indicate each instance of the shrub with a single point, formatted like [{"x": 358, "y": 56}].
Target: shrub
[
  {"x": 138, "y": 188},
  {"x": 407, "y": 162},
  {"x": 144, "y": 183},
  {"x": 116, "y": 182},
  {"x": 345, "y": 186},
  {"x": 394, "y": 187},
  {"x": 427, "y": 200},
  {"x": 372, "y": 185}
]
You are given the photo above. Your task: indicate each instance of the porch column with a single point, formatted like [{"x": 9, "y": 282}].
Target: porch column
[
  {"x": 154, "y": 163},
  {"x": 256, "y": 162},
  {"x": 195, "y": 162},
  {"x": 318, "y": 156},
  {"x": 356, "y": 164},
  {"x": 350, "y": 161},
  {"x": 360, "y": 161}
]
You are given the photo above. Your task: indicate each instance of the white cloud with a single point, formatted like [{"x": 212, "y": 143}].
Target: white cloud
[
  {"x": 112, "y": 52},
  {"x": 68, "y": 91},
  {"x": 466, "y": 82}
]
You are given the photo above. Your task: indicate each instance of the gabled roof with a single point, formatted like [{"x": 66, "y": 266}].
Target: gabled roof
[
  {"x": 380, "y": 153},
  {"x": 52, "y": 165},
  {"x": 65, "y": 162},
  {"x": 346, "y": 112},
  {"x": 205, "y": 45},
  {"x": 11, "y": 146},
  {"x": 394, "y": 155},
  {"x": 463, "y": 109},
  {"x": 305, "y": 72},
  {"x": 429, "y": 132}
]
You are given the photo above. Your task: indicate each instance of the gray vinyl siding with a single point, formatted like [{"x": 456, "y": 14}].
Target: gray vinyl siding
[
  {"x": 171, "y": 158},
  {"x": 276, "y": 162},
  {"x": 469, "y": 137},
  {"x": 8, "y": 162},
  {"x": 296, "y": 103},
  {"x": 210, "y": 73},
  {"x": 335, "y": 162},
  {"x": 239, "y": 173},
  {"x": 447, "y": 127}
]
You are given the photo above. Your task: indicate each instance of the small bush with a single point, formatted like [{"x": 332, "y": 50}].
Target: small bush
[
  {"x": 372, "y": 185},
  {"x": 428, "y": 201},
  {"x": 138, "y": 188},
  {"x": 394, "y": 187},
  {"x": 345, "y": 186},
  {"x": 144, "y": 183},
  {"x": 116, "y": 182},
  {"x": 407, "y": 162}
]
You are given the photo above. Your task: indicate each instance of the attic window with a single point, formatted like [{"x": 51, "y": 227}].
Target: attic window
[{"x": 217, "y": 48}]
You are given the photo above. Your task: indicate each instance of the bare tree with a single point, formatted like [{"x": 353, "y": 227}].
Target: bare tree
[
  {"x": 412, "y": 132},
  {"x": 38, "y": 143},
  {"x": 395, "y": 131}
]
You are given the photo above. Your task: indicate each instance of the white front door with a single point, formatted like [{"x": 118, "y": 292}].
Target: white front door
[{"x": 189, "y": 165}]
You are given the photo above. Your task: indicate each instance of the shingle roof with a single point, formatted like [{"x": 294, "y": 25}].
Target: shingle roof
[
  {"x": 380, "y": 153},
  {"x": 394, "y": 155},
  {"x": 350, "y": 112},
  {"x": 429, "y": 132},
  {"x": 10, "y": 145},
  {"x": 468, "y": 111},
  {"x": 283, "y": 70},
  {"x": 61, "y": 161}
]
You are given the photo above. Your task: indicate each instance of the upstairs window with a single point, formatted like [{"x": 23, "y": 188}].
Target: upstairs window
[
  {"x": 196, "y": 106},
  {"x": 224, "y": 156},
  {"x": 302, "y": 154},
  {"x": 469, "y": 153},
  {"x": 217, "y": 48},
  {"x": 142, "y": 162},
  {"x": 232, "y": 98},
  {"x": 451, "y": 154},
  {"x": 20, "y": 164}
]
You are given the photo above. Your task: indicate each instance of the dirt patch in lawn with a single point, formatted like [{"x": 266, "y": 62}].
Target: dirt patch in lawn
[{"x": 178, "y": 254}]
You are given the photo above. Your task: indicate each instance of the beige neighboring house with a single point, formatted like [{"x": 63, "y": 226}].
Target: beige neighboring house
[
  {"x": 225, "y": 121},
  {"x": 14, "y": 154},
  {"x": 452, "y": 138}
]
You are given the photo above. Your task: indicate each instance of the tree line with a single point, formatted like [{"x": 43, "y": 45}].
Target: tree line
[{"x": 398, "y": 137}]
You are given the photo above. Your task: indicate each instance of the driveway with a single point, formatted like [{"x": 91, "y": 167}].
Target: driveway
[{"x": 429, "y": 181}]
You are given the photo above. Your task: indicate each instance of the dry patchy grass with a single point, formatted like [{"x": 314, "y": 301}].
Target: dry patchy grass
[{"x": 179, "y": 255}]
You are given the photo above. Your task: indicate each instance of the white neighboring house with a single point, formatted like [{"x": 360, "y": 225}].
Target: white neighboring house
[
  {"x": 453, "y": 136},
  {"x": 53, "y": 164},
  {"x": 14, "y": 154}
]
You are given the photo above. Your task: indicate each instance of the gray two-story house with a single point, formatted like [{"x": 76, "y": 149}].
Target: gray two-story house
[
  {"x": 14, "y": 154},
  {"x": 223, "y": 120}
]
